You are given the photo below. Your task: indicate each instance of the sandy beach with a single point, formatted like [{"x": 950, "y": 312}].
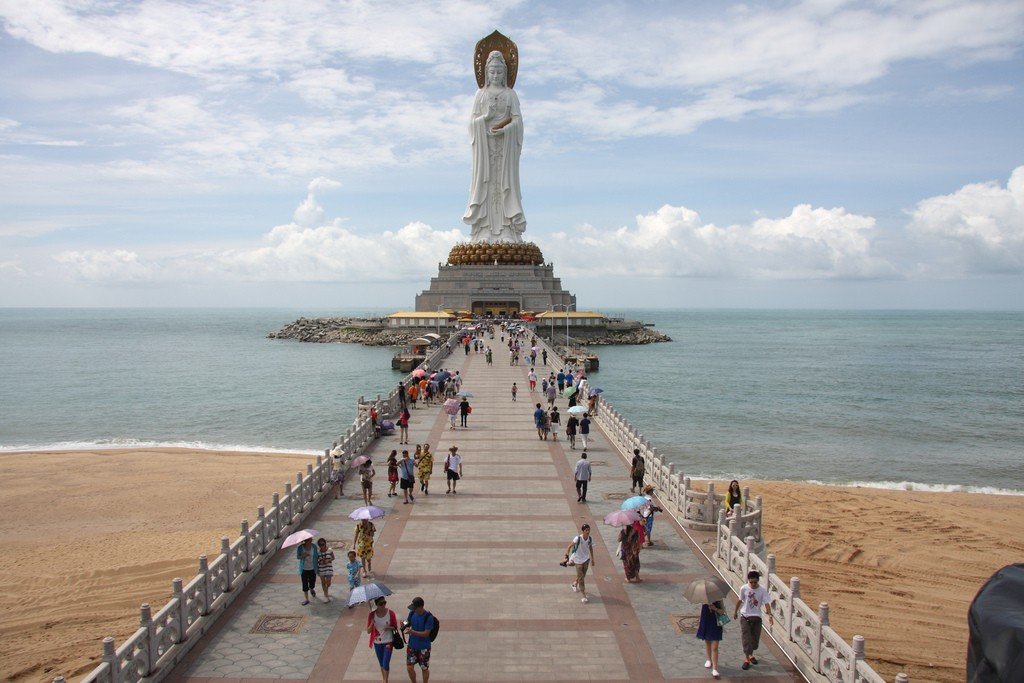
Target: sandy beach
[
  {"x": 89, "y": 536},
  {"x": 108, "y": 530},
  {"x": 897, "y": 567}
]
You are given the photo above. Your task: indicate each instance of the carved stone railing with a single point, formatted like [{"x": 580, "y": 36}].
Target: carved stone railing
[{"x": 818, "y": 651}]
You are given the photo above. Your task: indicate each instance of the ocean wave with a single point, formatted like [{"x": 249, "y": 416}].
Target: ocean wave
[
  {"x": 112, "y": 444},
  {"x": 883, "y": 485}
]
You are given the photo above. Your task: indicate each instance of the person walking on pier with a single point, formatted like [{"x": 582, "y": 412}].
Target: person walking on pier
[
  {"x": 464, "y": 410},
  {"x": 424, "y": 468},
  {"x": 381, "y": 624},
  {"x": 544, "y": 356},
  {"x": 570, "y": 430},
  {"x": 538, "y": 421},
  {"x": 580, "y": 554},
  {"x": 585, "y": 429},
  {"x": 582, "y": 472},
  {"x": 489, "y": 356},
  {"x": 407, "y": 477},
  {"x": 515, "y": 390},
  {"x": 753, "y": 598},
  {"x": 561, "y": 381},
  {"x": 647, "y": 512},
  {"x": 325, "y": 567},
  {"x": 366, "y": 474},
  {"x": 636, "y": 471},
  {"x": 392, "y": 473},
  {"x": 532, "y": 377},
  {"x": 354, "y": 569},
  {"x": 363, "y": 544},
  {"x": 453, "y": 468},
  {"x": 555, "y": 420},
  {"x": 418, "y": 626},
  {"x": 710, "y": 631},
  {"x": 551, "y": 394},
  {"x": 308, "y": 556},
  {"x": 403, "y": 426},
  {"x": 631, "y": 540}
]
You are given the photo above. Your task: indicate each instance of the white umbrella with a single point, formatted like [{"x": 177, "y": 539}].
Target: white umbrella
[
  {"x": 367, "y": 512},
  {"x": 298, "y": 537}
]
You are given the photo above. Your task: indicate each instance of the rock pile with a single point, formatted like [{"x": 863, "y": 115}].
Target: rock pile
[{"x": 366, "y": 331}]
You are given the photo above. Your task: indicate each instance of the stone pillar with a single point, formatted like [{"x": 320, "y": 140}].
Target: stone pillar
[
  {"x": 902, "y": 678},
  {"x": 300, "y": 492},
  {"x": 246, "y": 546},
  {"x": 180, "y": 614},
  {"x": 275, "y": 504},
  {"x": 152, "y": 651},
  {"x": 204, "y": 571},
  {"x": 261, "y": 519},
  {"x": 229, "y": 566},
  {"x": 858, "y": 656},
  {"x": 110, "y": 657},
  {"x": 794, "y": 589},
  {"x": 289, "y": 511},
  {"x": 819, "y": 635}
]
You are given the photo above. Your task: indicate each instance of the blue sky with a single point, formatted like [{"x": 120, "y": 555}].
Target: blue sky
[{"x": 777, "y": 154}]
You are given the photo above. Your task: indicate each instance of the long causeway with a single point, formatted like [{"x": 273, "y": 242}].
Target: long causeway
[{"x": 486, "y": 563}]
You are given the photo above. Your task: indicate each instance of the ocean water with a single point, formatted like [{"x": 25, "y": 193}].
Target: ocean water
[{"x": 887, "y": 399}]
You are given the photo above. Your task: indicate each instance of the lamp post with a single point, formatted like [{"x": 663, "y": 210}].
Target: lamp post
[
  {"x": 438, "y": 319},
  {"x": 566, "y": 307}
]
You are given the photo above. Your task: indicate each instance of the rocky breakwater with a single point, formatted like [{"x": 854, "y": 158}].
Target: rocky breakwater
[
  {"x": 367, "y": 331},
  {"x": 641, "y": 335}
]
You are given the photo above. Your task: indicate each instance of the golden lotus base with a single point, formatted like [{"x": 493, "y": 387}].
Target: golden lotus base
[{"x": 502, "y": 253}]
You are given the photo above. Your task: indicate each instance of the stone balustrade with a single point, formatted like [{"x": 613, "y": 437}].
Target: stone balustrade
[{"x": 805, "y": 635}]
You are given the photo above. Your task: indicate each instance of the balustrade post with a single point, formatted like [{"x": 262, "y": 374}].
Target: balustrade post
[
  {"x": 180, "y": 614},
  {"x": 686, "y": 498},
  {"x": 718, "y": 533},
  {"x": 261, "y": 518},
  {"x": 275, "y": 504},
  {"x": 300, "y": 491},
  {"x": 110, "y": 657},
  {"x": 758, "y": 518},
  {"x": 247, "y": 559},
  {"x": 771, "y": 568},
  {"x": 794, "y": 589},
  {"x": 287, "y": 503},
  {"x": 204, "y": 571},
  {"x": 858, "y": 656},
  {"x": 229, "y": 566},
  {"x": 311, "y": 487},
  {"x": 59, "y": 679},
  {"x": 746, "y": 496},
  {"x": 146, "y": 622},
  {"x": 321, "y": 479},
  {"x": 900, "y": 678},
  {"x": 819, "y": 634},
  {"x": 710, "y": 503},
  {"x": 746, "y": 558}
]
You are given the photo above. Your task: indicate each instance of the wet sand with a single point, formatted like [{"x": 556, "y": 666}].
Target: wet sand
[{"x": 89, "y": 536}]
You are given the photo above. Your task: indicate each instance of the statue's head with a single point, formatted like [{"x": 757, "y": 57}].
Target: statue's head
[{"x": 496, "y": 69}]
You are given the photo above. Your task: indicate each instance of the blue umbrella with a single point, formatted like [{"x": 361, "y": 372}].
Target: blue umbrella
[
  {"x": 465, "y": 394},
  {"x": 442, "y": 376},
  {"x": 596, "y": 390},
  {"x": 367, "y": 592},
  {"x": 634, "y": 503}
]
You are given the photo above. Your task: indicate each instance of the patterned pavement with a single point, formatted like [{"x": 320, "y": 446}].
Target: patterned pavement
[{"x": 486, "y": 563}]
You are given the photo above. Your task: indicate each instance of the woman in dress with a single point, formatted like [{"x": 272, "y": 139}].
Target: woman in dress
[
  {"x": 631, "y": 538},
  {"x": 381, "y": 624},
  {"x": 403, "y": 426},
  {"x": 325, "y": 567},
  {"x": 424, "y": 468},
  {"x": 392, "y": 473},
  {"x": 363, "y": 543},
  {"x": 733, "y": 498},
  {"x": 709, "y": 630}
]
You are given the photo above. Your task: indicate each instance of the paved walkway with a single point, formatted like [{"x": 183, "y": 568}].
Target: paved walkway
[{"x": 486, "y": 563}]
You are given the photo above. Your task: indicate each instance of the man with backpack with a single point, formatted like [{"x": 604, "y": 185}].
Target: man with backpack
[
  {"x": 580, "y": 554},
  {"x": 421, "y": 629}
]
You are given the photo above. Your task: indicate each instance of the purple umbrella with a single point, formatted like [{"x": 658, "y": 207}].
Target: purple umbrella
[
  {"x": 621, "y": 517},
  {"x": 367, "y": 512}
]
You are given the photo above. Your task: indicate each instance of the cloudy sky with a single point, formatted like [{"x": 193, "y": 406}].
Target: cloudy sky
[{"x": 677, "y": 154}]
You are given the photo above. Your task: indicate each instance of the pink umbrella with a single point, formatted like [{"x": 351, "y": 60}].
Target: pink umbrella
[
  {"x": 360, "y": 460},
  {"x": 621, "y": 517},
  {"x": 451, "y": 406},
  {"x": 419, "y": 372},
  {"x": 298, "y": 537}
]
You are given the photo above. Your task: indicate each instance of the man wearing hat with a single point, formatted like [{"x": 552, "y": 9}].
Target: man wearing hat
[{"x": 417, "y": 631}]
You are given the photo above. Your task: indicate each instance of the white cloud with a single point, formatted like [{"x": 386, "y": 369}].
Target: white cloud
[
  {"x": 116, "y": 266},
  {"x": 978, "y": 229}
]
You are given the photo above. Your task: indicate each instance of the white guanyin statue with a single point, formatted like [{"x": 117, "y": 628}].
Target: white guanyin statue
[{"x": 495, "y": 211}]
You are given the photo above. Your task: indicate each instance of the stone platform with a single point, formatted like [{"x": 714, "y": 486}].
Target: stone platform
[
  {"x": 486, "y": 563},
  {"x": 502, "y": 289}
]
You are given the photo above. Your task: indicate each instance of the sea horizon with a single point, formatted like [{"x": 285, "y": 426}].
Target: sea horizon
[{"x": 922, "y": 401}]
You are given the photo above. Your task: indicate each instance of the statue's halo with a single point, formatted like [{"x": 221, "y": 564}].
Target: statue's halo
[{"x": 508, "y": 50}]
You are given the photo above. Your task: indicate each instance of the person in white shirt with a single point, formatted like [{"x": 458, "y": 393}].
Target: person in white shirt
[
  {"x": 753, "y": 598},
  {"x": 580, "y": 553},
  {"x": 453, "y": 468},
  {"x": 582, "y": 474}
]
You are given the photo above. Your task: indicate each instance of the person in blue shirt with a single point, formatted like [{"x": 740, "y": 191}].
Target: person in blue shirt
[
  {"x": 417, "y": 630},
  {"x": 561, "y": 381},
  {"x": 308, "y": 556},
  {"x": 538, "y": 421}
]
